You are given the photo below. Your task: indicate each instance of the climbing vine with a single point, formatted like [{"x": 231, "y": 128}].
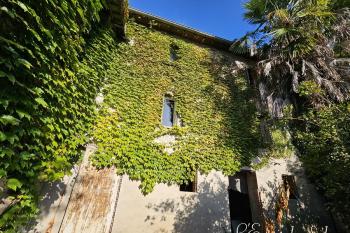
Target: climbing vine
[
  {"x": 49, "y": 77},
  {"x": 215, "y": 105}
]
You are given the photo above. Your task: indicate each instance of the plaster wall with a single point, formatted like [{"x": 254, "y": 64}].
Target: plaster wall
[
  {"x": 307, "y": 213},
  {"x": 167, "y": 209}
]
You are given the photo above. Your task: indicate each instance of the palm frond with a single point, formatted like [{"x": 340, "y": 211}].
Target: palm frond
[{"x": 255, "y": 11}]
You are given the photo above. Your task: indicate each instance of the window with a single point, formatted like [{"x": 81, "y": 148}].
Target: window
[
  {"x": 174, "y": 52},
  {"x": 190, "y": 186},
  {"x": 168, "y": 116},
  {"x": 289, "y": 183},
  {"x": 248, "y": 76}
]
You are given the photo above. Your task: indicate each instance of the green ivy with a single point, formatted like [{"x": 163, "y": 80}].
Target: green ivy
[
  {"x": 281, "y": 142},
  {"x": 215, "y": 105},
  {"x": 323, "y": 140},
  {"x": 49, "y": 77},
  {"x": 310, "y": 87}
]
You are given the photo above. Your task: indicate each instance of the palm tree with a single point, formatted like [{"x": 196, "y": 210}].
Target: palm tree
[
  {"x": 295, "y": 40},
  {"x": 298, "y": 47}
]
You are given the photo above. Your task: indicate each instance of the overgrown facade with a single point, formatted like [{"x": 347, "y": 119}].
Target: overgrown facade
[{"x": 177, "y": 118}]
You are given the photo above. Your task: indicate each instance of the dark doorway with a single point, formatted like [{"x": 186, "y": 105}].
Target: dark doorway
[
  {"x": 240, "y": 210},
  {"x": 240, "y": 207},
  {"x": 189, "y": 187}
]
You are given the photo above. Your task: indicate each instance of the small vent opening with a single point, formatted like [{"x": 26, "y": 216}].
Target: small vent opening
[
  {"x": 174, "y": 49},
  {"x": 189, "y": 186}
]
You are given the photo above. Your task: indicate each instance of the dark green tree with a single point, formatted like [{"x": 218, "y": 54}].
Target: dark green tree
[{"x": 298, "y": 44}]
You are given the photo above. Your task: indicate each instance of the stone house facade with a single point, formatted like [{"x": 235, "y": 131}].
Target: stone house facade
[{"x": 93, "y": 200}]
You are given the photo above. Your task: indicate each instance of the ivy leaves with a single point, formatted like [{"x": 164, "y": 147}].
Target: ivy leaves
[
  {"x": 218, "y": 130},
  {"x": 13, "y": 184},
  {"x": 47, "y": 87},
  {"x": 41, "y": 102},
  {"x": 9, "y": 120}
]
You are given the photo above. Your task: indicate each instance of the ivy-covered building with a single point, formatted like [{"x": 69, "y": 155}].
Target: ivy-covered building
[{"x": 179, "y": 142}]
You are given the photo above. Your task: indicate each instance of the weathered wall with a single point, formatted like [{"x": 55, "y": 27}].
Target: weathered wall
[
  {"x": 83, "y": 202},
  {"x": 308, "y": 212},
  {"x": 167, "y": 210}
]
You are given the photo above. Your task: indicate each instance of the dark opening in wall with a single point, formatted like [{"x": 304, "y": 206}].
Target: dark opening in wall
[
  {"x": 190, "y": 186},
  {"x": 289, "y": 183},
  {"x": 249, "y": 76},
  {"x": 168, "y": 115},
  {"x": 174, "y": 52},
  {"x": 240, "y": 210}
]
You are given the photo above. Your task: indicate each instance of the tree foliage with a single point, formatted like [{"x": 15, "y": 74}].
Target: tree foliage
[
  {"x": 298, "y": 43},
  {"x": 340, "y": 4},
  {"x": 295, "y": 41},
  {"x": 324, "y": 142}
]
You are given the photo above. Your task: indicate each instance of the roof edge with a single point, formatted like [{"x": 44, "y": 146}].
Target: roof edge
[{"x": 173, "y": 28}]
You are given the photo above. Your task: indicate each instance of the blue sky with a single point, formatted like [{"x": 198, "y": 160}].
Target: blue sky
[{"x": 222, "y": 18}]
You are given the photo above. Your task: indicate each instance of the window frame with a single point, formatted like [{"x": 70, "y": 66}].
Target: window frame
[{"x": 170, "y": 98}]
